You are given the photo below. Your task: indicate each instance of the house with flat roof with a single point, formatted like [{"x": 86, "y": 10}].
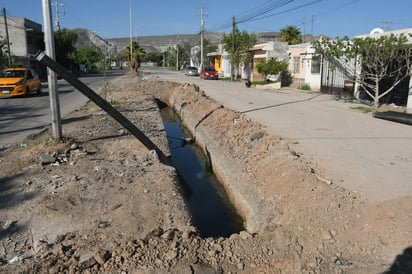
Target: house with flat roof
[
  {"x": 263, "y": 52},
  {"x": 25, "y": 37},
  {"x": 304, "y": 66}
]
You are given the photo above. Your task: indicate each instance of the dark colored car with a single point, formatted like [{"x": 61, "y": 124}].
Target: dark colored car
[
  {"x": 191, "y": 71},
  {"x": 209, "y": 73}
]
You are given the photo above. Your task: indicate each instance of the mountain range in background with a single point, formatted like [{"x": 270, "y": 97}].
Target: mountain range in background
[{"x": 159, "y": 44}]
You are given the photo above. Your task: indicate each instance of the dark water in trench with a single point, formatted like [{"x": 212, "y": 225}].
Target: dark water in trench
[{"x": 212, "y": 213}]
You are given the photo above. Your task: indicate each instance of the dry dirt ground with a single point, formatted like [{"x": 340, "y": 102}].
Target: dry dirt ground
[{"x": 108, "y": 205}]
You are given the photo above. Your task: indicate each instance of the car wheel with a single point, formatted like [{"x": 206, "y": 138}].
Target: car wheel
[
  {"x": 39, "y": 90},
  {"x": 26, "y": 92}
]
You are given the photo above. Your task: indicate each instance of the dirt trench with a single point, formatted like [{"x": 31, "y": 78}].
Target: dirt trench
[{"x": 113, "y": 207}]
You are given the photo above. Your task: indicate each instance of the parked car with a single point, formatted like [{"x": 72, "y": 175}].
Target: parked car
[
  {"x": 191, "y": 71},
  {"x": 209, "y": 73},
  {"x": 19, "y": 81}
]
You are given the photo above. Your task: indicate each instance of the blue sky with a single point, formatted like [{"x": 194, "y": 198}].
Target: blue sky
[{"x": 110, "y": 18}]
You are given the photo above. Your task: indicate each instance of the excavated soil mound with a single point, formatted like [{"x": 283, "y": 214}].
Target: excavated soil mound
[{"x": 107, "y": 205}]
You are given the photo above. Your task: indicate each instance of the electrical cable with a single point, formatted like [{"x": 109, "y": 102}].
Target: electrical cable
[
  {"x": 255, "y": 12},
  {"x": 286, "y": 11}
]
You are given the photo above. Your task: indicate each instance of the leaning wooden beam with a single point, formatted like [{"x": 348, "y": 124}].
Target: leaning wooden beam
[{"x": 103, "y": 104}]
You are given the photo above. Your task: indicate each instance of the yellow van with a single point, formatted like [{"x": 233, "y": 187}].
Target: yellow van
[{"x": 19, "y": 81}]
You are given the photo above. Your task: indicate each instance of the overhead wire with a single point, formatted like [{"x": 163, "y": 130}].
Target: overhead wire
[
  {"x": 276, "y": 5},
  {"x": 287, "y": 11},
  {"x": 261, "y": 11},
  {"x": 255, "y": 12}
]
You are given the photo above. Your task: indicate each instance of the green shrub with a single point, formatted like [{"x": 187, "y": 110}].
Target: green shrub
[{"x": 305, "y": 87}]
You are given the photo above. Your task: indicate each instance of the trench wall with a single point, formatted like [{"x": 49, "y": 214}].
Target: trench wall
[{"x": 199, "y": 116}]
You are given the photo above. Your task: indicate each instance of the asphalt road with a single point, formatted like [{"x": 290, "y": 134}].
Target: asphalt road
[
  {"x": 354, "y": 150},
  {"x": 22, "y": 116}
]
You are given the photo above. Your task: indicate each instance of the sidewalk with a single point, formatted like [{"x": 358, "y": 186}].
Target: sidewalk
[{"x": 354, "y": 150}]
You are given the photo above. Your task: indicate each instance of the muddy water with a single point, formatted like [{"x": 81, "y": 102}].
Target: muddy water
[{"x": 212, "y": 213}]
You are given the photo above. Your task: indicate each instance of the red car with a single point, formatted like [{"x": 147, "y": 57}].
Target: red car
[{"x": 209, "y": 73}]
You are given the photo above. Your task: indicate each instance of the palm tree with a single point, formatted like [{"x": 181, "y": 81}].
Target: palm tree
[
  {"x": 138, "y": 54},
  {"x": 290, "y": 34}
]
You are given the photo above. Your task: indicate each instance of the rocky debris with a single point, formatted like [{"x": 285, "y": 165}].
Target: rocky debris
[
  {"x": 57, "y": 158},
  {"x": 166, "y": 251},
  {"x": 46, "y": 159}
]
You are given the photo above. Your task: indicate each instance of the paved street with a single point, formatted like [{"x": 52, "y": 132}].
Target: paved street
[
  {"x": 21, "y": 116},
  {"x": 361, "y": 153}
]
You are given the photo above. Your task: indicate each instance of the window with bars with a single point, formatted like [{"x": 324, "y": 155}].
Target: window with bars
[
  {"x": 296, "y": 64},
  {"x": 315, "y": 66}
]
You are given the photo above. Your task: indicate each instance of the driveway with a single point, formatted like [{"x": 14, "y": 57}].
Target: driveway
[{"x": 352, "y": 149}]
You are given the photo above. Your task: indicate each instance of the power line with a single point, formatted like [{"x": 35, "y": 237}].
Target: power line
[
  {"x": 286, "y": 11},
  {"x": 256, "y": 11},
  {"x": 338, "y": 7},
  {"x": 261, "y": 12}
]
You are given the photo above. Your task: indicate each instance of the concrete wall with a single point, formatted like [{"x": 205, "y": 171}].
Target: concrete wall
[
  {"x": 312, "y": 78},
  {"x": 25, "y": 38}
]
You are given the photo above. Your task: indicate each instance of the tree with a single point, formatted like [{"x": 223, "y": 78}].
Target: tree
[
  {"x": 383, "y": 58},
  {"x": 208, "y": 47},
  {"x": 156, "y": 58},
  {"x": 138, "y": 54},
  {"x": 290, "y": 34},
  {"x": 238, "y": 48},
  {"x": 65, "y": 41},
  {"x": 88, "y": 56},
  {"x": 272, "y": 66},
  {"x": 184, "y": 53}
]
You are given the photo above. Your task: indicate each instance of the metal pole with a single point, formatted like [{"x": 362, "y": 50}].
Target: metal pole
[
  {"x": 202, "y": 30},
  {"x": 7, "y": 38},
  {"x": 57, "y": 16},
  {"x": 232, "y": 67},
  {"x": 131, "y": 40},
  {"x": 51, "y": 76}
]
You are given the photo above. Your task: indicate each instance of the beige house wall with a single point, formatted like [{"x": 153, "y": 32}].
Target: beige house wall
[{"x": 297, "y": 66}]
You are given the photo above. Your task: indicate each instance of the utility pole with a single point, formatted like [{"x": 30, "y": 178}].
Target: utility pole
[
  {"x": 7, "y": 38},
  {"x": 232, "y": 67},
  {"x": 202, "y": 31},
  {"x": 304, "y": 30},
  {"x": 312, "y": 26},
  {"x": 131, "y": 39},
  {"x": 57, "y": 4},
  {"x": 385, "y": 25},
  {"x": 177, "y": 53},
  {"x": 51, "y": 76}
]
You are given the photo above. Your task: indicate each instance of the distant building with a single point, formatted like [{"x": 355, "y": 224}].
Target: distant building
[{"x": 26, "y": 39}]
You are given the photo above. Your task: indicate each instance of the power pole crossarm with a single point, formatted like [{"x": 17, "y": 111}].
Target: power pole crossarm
[{"x": 57, "y": 4}]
